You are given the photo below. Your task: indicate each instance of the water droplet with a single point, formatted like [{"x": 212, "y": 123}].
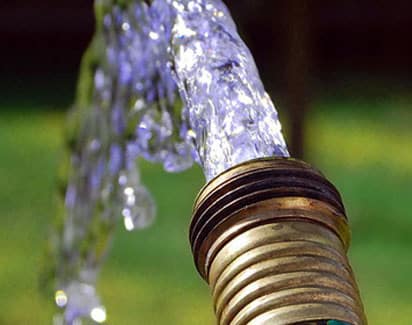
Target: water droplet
[
  {"x": 98, "y": 314},
  {"x": 154, "y": 35},
  {"x": 125, "y": 26},
  {"x": 61, "y": 298}
]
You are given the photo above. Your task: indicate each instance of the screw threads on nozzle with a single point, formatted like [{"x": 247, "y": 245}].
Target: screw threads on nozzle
[{"x": 270, "y": 237}]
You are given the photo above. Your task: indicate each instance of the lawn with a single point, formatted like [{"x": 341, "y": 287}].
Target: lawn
[{"x": 149, "y": 278}]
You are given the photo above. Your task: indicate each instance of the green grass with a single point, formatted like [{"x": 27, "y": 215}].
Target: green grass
[{"x": 150, "y": 278}]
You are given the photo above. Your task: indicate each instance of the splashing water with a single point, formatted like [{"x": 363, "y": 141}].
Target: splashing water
[
  {"x": 125, "y": 108},
  {"x": 128, "y": 105}
]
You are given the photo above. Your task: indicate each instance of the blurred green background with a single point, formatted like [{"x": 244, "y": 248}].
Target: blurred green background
[
  {"x": 149, "y": 277},
  {"x": 357, "y": 130}
]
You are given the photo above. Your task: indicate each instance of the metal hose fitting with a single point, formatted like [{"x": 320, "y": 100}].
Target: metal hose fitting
[{"x": 270, "y": 237}]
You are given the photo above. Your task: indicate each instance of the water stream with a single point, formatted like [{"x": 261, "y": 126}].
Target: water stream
[
  {"x": 169, "y": 81},
  {"x": 231, "y": 116}
]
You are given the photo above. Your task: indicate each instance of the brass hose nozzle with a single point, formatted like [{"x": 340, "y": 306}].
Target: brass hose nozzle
[{"x": 270, "y": 237}]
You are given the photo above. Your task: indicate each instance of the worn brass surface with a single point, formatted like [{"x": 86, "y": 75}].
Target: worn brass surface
[
  {"x": 291, "y": 263},
  {"x": 270, "y": 237},
  {"x": 304, "y": 312},
  {"x": 250, "y": 166},
  {"x": 267, "y": 212}
]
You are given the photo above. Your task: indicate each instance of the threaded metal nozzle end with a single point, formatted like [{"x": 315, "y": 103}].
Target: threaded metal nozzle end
[{"x": 270, "y": 237}]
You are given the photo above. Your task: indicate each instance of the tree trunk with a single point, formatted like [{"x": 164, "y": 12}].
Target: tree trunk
[{"x": 297, "y": 72}]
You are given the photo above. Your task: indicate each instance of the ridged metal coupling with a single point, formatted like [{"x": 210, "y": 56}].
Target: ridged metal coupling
[{"x": 270, "y": 237}]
